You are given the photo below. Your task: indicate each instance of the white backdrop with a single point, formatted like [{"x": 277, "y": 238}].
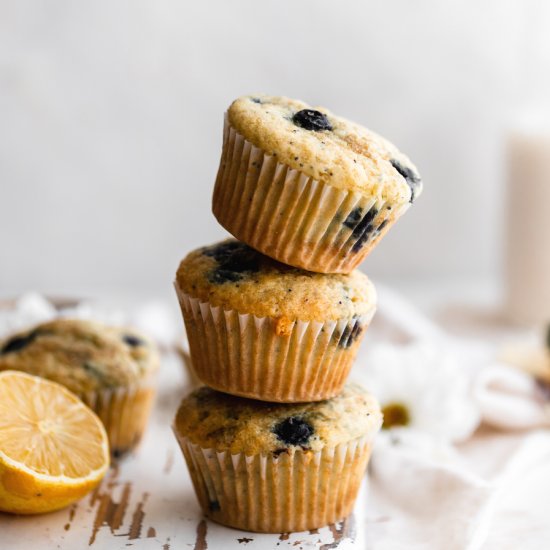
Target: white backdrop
[{"x": 111, "y": 119}]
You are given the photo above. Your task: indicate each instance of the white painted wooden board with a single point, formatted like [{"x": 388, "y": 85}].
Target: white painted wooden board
[{"x": 147, "y": 502}]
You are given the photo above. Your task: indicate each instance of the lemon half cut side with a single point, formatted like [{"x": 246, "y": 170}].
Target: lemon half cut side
[{"x": 53, "y": 448}]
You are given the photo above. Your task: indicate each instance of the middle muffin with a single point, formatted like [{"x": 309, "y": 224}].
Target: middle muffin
[{"x": 261, "y": 329}]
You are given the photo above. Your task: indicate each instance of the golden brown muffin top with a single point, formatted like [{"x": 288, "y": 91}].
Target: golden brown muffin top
[
  {"x": 231, "y": 275},
  {"x": 81, "y": 355},
  {"x": 326, "y": 147},
  {"x": 224, "y": 422}
]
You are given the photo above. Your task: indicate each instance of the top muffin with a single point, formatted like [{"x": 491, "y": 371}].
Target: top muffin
[
  {"x": 326, "y": 147},
  {"x": 81, "y": 355},
  {"x": 234, "y": 276}
]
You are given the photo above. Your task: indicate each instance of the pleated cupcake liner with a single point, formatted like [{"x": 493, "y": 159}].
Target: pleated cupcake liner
[
  {"x": 295, "y": 490},
  {"x": 124, "y": 412},
  {"x": 291, "y": 217},
  {"x": 245, "y": 355}
]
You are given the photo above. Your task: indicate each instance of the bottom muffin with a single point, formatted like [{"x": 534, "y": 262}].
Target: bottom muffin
[
  {"x": 277, "y": 467},
  {"x": 112, "y": 369}
]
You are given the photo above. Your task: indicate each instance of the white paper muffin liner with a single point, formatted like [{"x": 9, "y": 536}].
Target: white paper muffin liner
[
  {"x": 124, "y": 412},
  {"x": 244, "y": 355},
  {"x": 292, "y": 491},
  {"x": 291, "y": 217}
]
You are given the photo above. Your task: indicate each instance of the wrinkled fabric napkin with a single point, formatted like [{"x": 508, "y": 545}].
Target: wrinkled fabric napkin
[{"x": 479, "y": 479}]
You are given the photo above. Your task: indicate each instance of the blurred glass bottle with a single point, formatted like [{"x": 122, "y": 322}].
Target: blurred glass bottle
[{"x": 528, "y": 168}]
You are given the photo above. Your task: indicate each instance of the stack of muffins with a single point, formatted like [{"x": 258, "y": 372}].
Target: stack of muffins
[{"x": 277, "y": 441}]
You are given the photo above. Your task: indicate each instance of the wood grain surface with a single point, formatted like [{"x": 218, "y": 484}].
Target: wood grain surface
[{"x": 146, "y": 501}]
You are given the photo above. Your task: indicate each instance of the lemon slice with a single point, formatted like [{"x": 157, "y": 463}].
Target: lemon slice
[{"x": 53, "y": 449}]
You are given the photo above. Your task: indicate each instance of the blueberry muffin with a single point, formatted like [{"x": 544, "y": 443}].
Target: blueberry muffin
[
  {"x": 110, "y": 368},
  {"x": 265, "y": 330},
  {"x": 307, "y": 187},
  {"x": 277, "y": 467}
]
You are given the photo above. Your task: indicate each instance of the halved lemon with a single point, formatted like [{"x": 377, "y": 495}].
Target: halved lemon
[{"x": 53, "y": 448}]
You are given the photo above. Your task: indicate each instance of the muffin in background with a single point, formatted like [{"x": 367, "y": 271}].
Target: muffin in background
[
  {"x": 264, "y": 330},
  {"x": 307, "y": 187},
  {"x": 112, "y": 369},
  {"x": 277, "y": 467}
]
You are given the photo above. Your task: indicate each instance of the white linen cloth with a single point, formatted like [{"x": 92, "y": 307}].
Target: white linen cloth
[{"x": 487, "y": 489}]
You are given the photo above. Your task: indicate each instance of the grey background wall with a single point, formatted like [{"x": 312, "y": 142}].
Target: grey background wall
[{"x": 111, "y": 118}]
